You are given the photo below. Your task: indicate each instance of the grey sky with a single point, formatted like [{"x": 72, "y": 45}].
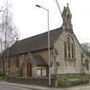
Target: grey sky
[{"x": 31, "y": 20}]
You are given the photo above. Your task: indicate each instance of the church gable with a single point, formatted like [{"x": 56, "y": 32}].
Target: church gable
[
  {"x": 68, "y": 48},
  {"x": 65, "y": 41},
  {"x": 35, "y": 60},
  {"x": 65, "y": 46}
]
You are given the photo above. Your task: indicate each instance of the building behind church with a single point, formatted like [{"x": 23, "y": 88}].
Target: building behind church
[{"x": 29, "y": 57}]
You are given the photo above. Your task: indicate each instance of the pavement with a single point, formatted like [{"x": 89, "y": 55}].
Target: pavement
[
  {"x": 34, "y": 87},
  {"x": 81, "y": 87}
]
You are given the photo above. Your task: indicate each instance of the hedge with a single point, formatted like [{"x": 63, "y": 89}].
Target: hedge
[{"x": 68, "y": 82}]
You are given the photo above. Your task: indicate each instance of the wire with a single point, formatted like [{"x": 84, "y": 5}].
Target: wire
[{"x": 58, "y": 7}]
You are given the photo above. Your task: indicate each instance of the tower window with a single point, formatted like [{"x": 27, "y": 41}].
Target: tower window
[{"x": 65, "y": 50}]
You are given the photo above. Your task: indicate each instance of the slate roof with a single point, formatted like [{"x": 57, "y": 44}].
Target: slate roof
[
  {"x": 39, "y": 61},
  {"x": 34, "y": 43}
]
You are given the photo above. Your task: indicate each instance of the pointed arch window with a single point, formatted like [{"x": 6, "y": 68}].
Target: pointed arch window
[
  {"x": 65, "y": 50},
  {"x": 69, "y": 48},
  {"x": 87, "y": 64},
  {"x": 72, "y": 50},
  {"x": 68, "y": 41}
]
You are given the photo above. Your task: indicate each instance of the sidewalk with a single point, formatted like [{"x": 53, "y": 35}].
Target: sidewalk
[
  {"x": 34, "y": 87},
  {"x": 81, "y": 87}
]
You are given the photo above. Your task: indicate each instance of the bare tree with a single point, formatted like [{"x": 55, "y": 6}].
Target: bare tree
[
  {"x": 8, "y": 33},
  {"x": 86, "y": 47},
  {"x": 8, "y": 29}
]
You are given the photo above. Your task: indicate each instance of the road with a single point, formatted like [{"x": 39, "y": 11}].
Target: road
[{"x": 6, "y": 87}]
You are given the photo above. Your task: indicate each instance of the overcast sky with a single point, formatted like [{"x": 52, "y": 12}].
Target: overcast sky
[{"x": 31, "y": 20}]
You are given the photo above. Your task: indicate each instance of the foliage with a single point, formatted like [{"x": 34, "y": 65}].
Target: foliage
[
  {"x": 68, "y": 81},
  {"x": 86, "y": 47}
]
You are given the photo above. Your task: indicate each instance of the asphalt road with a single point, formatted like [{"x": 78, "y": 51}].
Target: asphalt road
[{"x": 5, "y": 87}]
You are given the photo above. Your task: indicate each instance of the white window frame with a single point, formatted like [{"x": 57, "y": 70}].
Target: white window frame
[
  {"x": 44, "y": 72},
  {"x": 39, "y": 72}
]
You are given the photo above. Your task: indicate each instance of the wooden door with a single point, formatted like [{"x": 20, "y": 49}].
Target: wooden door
[{"x": 29, "y": 69}]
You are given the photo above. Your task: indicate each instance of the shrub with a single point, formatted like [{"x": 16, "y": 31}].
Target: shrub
[
  {"x": 1, "y": 74},
  {"x": 71, "y": 81}
]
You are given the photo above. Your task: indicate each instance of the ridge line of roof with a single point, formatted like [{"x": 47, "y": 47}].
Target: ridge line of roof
[{"x": 39, "y": 34}]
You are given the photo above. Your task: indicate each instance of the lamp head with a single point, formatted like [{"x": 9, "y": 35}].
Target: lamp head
[{"x": 38, "y": 6}]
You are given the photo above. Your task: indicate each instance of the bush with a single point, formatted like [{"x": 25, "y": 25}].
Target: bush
[
  {"x": 68, "y": 82},
  {"x": 64, "y": 83},
  {"x": 1, "y": 74}
]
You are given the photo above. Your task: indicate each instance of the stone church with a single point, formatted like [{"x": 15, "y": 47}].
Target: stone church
[{"x": 29, "y": 57}]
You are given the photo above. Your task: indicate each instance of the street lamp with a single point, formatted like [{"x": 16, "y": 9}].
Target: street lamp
[{"x": 48, "y": 40}]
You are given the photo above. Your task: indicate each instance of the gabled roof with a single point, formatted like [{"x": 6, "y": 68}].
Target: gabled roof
[{"x": 34, "y": 43}]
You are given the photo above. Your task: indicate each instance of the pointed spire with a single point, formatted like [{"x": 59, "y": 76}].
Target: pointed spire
[
  {"x": 67, "y": 4},
  {"x": 16, "y": 39}
]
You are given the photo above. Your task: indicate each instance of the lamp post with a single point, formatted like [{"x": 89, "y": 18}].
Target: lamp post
[{"x": 48, "y": 40}]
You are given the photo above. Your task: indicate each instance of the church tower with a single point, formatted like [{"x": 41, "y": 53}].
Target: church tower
[{"x": 67, "y": 16}]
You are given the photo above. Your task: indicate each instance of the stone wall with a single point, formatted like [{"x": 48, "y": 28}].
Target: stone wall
[
  {"x": 69, "y": 66},
  {"x": 31, "y": 81}
]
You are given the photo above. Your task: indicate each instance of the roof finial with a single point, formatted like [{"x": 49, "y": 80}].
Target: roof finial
[
  {"x": 67, "y": 4},
  {"x": 16, "y": 38}
]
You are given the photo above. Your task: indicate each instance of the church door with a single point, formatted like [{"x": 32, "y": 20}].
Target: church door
[{"x": 29, "y": 69}]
